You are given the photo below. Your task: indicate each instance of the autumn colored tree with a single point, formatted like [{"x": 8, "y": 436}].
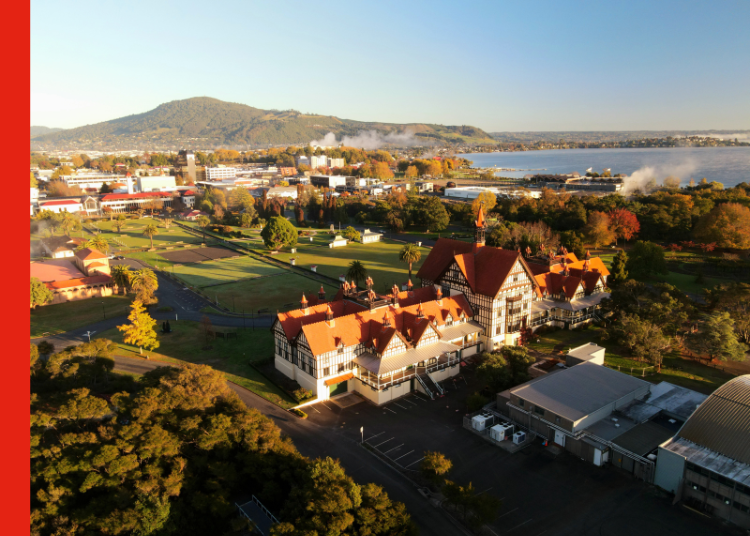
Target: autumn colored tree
[
  {"x": 623, "y": 223},
  {"x": 140, "y": 331},
  {"x": 435, "y": 465},
  {"x": 411, "y": 172},
  {"x": 487, "y": 200},
  {"x": 728, "y": 225},
  {"x": 381, "y": 170},
  {"x": 40, "y": 294},
  {"x": 598, "y": 230}
]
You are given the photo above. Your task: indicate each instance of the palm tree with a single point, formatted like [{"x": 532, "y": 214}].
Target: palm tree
[
  {"x": 410, "y": 254},
  {"x": 356, "y": 271},
  {"x": 98, "y": 243},
  {"x": 121, "y": 276},
  {"x": 150, "y": 230},
  {"x": 144, "y": 283}
]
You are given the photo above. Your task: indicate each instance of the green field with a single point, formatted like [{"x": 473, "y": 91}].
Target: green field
[
  {"x": 380, "y": 259},
  {"x": 230, "y": 269},
  {"x": 132, "y": 234},
  {"x": 187, "y": 342},
  {"x": 60, "y": 317},
  {"x": 675, "y": 369},
  {"x": 277, "y": 292},
  {"x": 686, "y": 282}
]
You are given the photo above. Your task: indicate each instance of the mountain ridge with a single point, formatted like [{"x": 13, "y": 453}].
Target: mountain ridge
[{"x": 202, "y": 122}]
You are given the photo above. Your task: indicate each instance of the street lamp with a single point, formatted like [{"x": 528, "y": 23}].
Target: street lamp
[{"x": 90, "y": 333}]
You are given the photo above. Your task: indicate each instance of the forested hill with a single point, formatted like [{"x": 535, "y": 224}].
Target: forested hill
[
  {"x": 204, "y": 122},
  {"x": 39, "y": 130}
]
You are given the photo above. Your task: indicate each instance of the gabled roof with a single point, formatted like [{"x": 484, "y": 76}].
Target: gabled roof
[
  {"x": 144, "y": 195},
  {"x": 485, "y": 270},
  {"x": 292, "y": 321},
  {"x": 87, "y": 254},
  {"x": 60, "y": 202}
]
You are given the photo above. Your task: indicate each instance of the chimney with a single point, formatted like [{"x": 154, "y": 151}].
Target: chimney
[
  {"x": 394, "y": 295},
  {"x": 588, "y": 254},
  {"x": 386, "y": 320},
  {"x": 439, "y": 296},
  {"x": 329, "y": 315},
  {"x": 585, "y": 265},
  {"x": 409, "y": 285},
  {"x": 322, "y": 293},
  {"x": 303, "y": 304},
  {"x": 420, "y": 312}
]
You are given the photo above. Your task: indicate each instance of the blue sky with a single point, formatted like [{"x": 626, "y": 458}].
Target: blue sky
[{"x": 501, "y": 66}]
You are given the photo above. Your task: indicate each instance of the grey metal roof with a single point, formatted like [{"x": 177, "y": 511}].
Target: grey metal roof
[
  {"x": 585, "y": 351},
  {"x": 643, "y": 438},
  {"x": 412, "y": 356},
  {"x": 711, "y": 460},
  {"x": 678, "y": 402},
  {"x": 722, "y": 422},
  {"x": 579, "y": 391},
  {"x": 461, "y": 330},
  {"x": 577, "y": 304}
]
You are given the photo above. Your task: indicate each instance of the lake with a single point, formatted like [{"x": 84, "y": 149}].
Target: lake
[{"x": 728, "y": 165}]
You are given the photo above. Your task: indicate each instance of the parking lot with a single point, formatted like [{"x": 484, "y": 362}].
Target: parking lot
[{"x": 544, "y": 491}]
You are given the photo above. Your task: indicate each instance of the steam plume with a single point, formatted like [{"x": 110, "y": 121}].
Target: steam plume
[{"x": 371, "y": 139}]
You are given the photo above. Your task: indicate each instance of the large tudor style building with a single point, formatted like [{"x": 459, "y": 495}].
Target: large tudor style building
[{"x": 473, "y": 297}]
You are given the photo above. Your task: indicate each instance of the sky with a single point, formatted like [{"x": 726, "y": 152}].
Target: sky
[{"x": 496, "y": 65}]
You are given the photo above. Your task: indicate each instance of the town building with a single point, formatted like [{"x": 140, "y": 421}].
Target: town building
[
  {"x": 158, "y": 183},
  {"x": 337, "y": 242},
  {"x": 368, "y": 236},
  {"x": 185, "y": 165},
  {"x": 328, "y": 181},
  {"x": 85, "y": 275},
  {"x": 95, "y": 181},
  {"x": 423, "y": 186},
  {"x": 62, "y": 205},
  {"x": 133, "y": 202},
  {"x": 221, "y": 172},
  {"x": 707, "y": 462},
  {"x": 59, "y": 247},
  {"x": 302, "y": 160},
  {"x": 381, "y": 346}
]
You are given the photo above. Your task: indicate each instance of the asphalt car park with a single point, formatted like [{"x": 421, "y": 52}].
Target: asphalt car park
[{"x": 544, "y": 491}]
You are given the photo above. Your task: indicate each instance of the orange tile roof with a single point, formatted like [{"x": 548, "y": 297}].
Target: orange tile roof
[
  {"x": 367, "y": 326},
  {"x": 82, "y": 282},
  {"x": 87, "y": 254},
  {"x": 292, "y": 321},
  {"x": 339, "y": 379}
]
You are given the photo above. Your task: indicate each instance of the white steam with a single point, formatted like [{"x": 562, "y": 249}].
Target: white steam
[
  {"x": 648, "y": 178},
  {"x": 371, "y": 139}
]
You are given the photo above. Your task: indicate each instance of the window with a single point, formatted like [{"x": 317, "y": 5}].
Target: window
[
  {"x": 741, "y": 507},
  {"x": 515, "y": 278},
  {"x": 342, "y": 367},
  {"x": 520, "y": 402},
  {"x": 557, "y": 420},
  {"x": 327, "y": 371},
  {"x": 539, "y": 410},
  {"x": 498, "y": 330},
  {"x": 696, "y": 486},
  {"x": 341, "y": 349}
]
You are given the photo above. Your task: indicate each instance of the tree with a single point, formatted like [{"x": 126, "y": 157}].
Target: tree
[
  {"x": 279, "y": 233},
  {"x": 623, "y": 223},
  {"x": 119, "y": 222},
  {"x": 203, "y": 222},
  {"x": 434, "y": 466},
  {"x": 727, "y": 224},
  {"x": 487, "y": 200},
  {"x": 733, "y": 298},
  {"x": 432, "y": 214},
  {"x": 140, "y": 332},
  {"x": 618, "y": 273},
  {"x": 40, "y": 294},
  {"x": 505, "y": 369},
  {"x": 598, "y": 231},
  {"x": 411, "y": 172},
  {"x": 145, "y": 283},
  {"x": 381, "y": 170},
  {"x": 350, "y": 233},
  {"x": 150, "y": 231},
  {"x": 645, "y": 260},
  {"x": 34, "y": 183},
  {"x": 98, "y": 243},
  {"x": 716, "y": 338},
  {"x": 410, "y": 254},
  {"x": 644, "y": 338},
  {"x": 121, "y": 277},
  {"x": 356, "y": 271}
]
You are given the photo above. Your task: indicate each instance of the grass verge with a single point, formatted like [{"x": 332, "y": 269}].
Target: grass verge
[{"x": 61, "y": 317}]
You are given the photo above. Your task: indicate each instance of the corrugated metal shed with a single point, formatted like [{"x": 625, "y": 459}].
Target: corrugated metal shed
[
  {"x": 722, "y": 422},
  {"x": 711, "y": 460}
]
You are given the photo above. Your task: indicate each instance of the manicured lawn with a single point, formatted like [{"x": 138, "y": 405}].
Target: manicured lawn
[
  {"x": 687, "y": 283},
  {"x": 52, "y": 319},
  {"x": 282, "y": 292},
  {"x": 210, "y": 272},
  {"x": 132, "y": 234},
  {"x": 675, "y": 368},
  {"x": 380, "y": 259},
  {"x": 187, "y": 342}
]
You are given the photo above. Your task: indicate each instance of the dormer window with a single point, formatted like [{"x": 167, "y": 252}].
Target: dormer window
[
  {"x": 449, "y": 320},
  {"x": 341, "y": 348}
]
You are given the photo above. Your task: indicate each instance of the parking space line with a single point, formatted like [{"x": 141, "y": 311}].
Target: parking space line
[
  {"x": 383, "y": 443},
  {"x": 521, "y": 525},
  {"x": 316, "y": 409},
  {"x": 412, "y": 463},
  {"x": 506, "y": 513},
  {"x": 394, "y": 448},
  {"x": 397, "y": 459},
  {"x": 327, "y": 407},
  {"x": 409, "y": 401},
  {"x": 389, "y": 409},
  {"x": 373, "y": 437},
  {"x": 402, "y": 407}
]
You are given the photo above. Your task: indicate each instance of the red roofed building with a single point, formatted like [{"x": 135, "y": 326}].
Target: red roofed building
[
  {"x": 510, "y": 292},
  {"x": 381, "y": 346},
  {"x": 132, "y": 202}
]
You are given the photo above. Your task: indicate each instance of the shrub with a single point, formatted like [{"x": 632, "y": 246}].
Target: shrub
[
  {"x": 302, "y": 394},
  {"x": 475, "y": 402},
  {"x": 299, "y": 413}
]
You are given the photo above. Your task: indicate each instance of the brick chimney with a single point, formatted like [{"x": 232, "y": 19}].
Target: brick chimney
[
  {"x": 322, "y": 293},
  {"x": 303, "y": 304},
  {"x": 329, "y": 317}
]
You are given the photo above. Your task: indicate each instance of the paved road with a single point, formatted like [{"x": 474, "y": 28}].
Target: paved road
[{"x": 315, "y": 441}]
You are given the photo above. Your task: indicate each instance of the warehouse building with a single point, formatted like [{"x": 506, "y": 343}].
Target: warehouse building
[{"x": 707, "y": 463}]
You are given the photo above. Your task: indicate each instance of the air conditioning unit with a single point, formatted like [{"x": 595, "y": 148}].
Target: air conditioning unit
[
  {"x": 480, "y": 422},
  {"x": 502, "y": 431},
  {"x": 519, "y": 437}
]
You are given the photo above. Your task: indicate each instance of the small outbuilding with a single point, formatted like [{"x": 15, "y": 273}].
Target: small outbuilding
[
  {"x": 338, "y": 241},
  {"x": 368, "y": 236},
  {"x": 587, "y": 353}
]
